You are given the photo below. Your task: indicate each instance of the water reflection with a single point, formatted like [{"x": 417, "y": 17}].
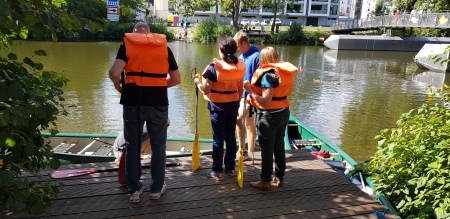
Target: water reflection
[{"x": 360, "y": 92}]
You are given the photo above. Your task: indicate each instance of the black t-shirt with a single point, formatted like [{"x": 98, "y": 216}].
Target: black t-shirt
[{"x": 133, "y": 95}]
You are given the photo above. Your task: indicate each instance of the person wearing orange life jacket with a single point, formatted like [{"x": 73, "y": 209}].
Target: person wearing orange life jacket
[
  {"x": 147, "y": 60},
  {"x": 222, "y": 86},
  {"x": 270, "y": 86}
]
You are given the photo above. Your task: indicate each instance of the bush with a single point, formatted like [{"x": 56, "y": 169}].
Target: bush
[
  {"x": 116, "y": 31},
  {"x": 412, "y": 166},
  {"x": 210, "y": 30},
  {"x": 30, "y": 100},
  {"x": 312, "y": 38}
]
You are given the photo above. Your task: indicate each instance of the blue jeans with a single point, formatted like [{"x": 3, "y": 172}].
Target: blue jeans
[
  {"x": 223, "y": 125},
  {"x": 156, "y": 119},
  {"x": 271, "y": 129}
]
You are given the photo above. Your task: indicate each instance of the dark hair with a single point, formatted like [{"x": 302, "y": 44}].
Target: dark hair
[{"x": 228, "y": 47}]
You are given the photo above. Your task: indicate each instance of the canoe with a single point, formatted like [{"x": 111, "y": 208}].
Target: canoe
[
  {"x": 91, "y": 148},
  {"x": 74, "y": 148},
  {"x": 300, "y": 136}
]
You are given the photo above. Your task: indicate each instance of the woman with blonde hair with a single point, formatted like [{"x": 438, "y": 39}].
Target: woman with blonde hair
[{"x": 270, "y": 85}]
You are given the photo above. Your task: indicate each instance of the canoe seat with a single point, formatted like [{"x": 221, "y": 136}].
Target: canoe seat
[
  {"x": 304, "y": 143},
  {"x": 103, "y": 150},
  {"x": 63, "y": 147}
]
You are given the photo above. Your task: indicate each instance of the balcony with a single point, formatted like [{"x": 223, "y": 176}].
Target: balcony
[{"x": 250, "y": 11}]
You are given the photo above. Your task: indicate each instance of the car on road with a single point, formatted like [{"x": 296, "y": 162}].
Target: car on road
[
  {"x": 245, "y": 21},
  {"x": 277, "y": 21},
  {"x": 265, "y": 22},
  {"x": 254, "y": 22}
]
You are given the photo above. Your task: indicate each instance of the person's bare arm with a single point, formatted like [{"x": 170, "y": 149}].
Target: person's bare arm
[
  {"x": 241, "y": 87},
  {"x": 115, "y": 71},
  {"x": 204, "y": 88},
  {"x": 264, "y": 99},
  {"x": 174, "y": 79}
]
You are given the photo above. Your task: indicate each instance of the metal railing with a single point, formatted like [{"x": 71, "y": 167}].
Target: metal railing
[{"x": 429, "y": 20}]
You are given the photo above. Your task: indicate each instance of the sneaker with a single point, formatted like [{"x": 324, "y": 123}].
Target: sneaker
[
  {"x": 231, "y": 173},
  {"x": 214, "y": 175},
  {"x": 246, "y": 157},
  {"x": 278, "y": 182},
  {"x": 135, "y": 197},
  {"x": 157, "y": 195}
]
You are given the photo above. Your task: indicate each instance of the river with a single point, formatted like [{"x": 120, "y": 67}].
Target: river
[{"x": 359, "y": 93}]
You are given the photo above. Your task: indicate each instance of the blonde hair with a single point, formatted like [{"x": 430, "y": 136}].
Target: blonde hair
[
  {"x": 241, "y": 37},
  {"x": 268, "y": 55}
]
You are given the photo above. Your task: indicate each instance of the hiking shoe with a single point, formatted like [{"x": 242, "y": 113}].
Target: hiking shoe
[
  {"x": 246, "y": 157},
  {"x": 215, "y": 176},
  {"x": 231, "y": 173},
  {"x": 157, "y": 195},
  {"x": 135, "y": 197}
]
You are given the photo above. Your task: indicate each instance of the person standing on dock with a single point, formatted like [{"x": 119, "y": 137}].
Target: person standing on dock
[
  {"x": 147, "y": 60},
  {"x": 250, "y": 55},
  {"x": 270, "y": 85},
  {"x": 222, "y": 85}
]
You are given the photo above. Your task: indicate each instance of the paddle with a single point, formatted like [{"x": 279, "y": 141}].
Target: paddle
[
  {"x": 71, "y": 173},
  {"x": 240, "y": 175},
  {"x": 104, "y": 142},
  {"x": 196, "y": 146}
]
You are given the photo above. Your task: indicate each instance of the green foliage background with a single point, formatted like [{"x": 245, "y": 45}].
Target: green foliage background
[
  {"x": 30, "y": 101},
  {"x": 412, "y": 164},
  {"x": 210, "y": 30}
]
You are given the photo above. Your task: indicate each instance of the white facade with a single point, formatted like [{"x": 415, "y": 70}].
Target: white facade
[
  {"x": 306, "y": 12},
  {"x": 368, "y": 7}
]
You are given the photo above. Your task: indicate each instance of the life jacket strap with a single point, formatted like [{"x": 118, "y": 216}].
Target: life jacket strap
[
  {"x": 223, "y": 92},
  {"x": 279, "y": 98},
  {"x": 145, "y": 74}
]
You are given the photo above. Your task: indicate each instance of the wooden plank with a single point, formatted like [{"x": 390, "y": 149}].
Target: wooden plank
[{"x": 312, "y": 190}]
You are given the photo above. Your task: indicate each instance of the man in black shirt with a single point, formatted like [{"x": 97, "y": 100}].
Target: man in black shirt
[{"x": 147, "y": 60}]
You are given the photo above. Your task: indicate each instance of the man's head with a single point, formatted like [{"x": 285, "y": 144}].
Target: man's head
[
  {"x": 241, "y": 39},
  {"x": 141, "y": 27}
]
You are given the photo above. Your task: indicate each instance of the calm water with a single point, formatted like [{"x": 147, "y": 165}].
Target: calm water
[{"x": 359, "y": 94}]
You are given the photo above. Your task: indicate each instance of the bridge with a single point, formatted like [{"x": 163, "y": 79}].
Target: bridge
[{"x": 402, "y": 21}]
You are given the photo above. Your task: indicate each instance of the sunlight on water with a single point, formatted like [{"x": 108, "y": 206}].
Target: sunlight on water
[{"x": 359, "y": 92}]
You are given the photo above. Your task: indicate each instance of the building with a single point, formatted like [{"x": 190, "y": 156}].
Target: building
[{"x": 306, "y": 12}]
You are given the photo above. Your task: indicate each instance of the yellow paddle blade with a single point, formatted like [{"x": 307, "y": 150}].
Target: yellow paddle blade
[
  {"x": 196, "y": 154},
  {"x": 240, "y": 174}
]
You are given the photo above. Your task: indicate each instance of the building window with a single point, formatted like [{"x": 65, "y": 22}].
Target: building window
[{"x": 333, "y": 10}]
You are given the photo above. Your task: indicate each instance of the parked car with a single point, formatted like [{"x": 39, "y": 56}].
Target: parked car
[
  {"x": 245, "y": 21},
  {"x": 277, "y": 21},
  {"x": 254, "y": 22},
  {"x": 265, "y": 22},
  {"x": 187, "y": 23}
]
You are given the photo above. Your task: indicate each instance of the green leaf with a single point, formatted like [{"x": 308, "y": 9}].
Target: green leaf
[
  {"x": 40, "y": 52},
  {"x": 12, "y": 56},
  {"x": 4, "y": 92},
  {"x": 6, "y": 178},
  {"x": 55, "y": 163},
  {"x": 28, "y": 61},
  {"x": 16, "y": 91},
  {"x": 10, "y": 142},
  {"x": 38, "y": 207},
  {"x": 5, "y": 10},
  {"x": 4, "y": 118}
]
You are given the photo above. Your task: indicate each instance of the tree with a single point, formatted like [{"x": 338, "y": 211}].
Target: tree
[
  {"x": 30, "y": 101},
  {"x": 227, "y": 7},
  {"x": 94, "y": 10}
]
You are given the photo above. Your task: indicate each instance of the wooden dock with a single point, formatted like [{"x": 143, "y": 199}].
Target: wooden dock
[{"x": 312, "y": 190}]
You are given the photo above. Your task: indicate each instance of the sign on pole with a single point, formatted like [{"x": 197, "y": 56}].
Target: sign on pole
[{"x": 112, "y": 10}]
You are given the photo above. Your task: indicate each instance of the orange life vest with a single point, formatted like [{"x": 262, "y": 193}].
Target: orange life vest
[
  {"x": 147, "y": 55},
  {"x": 286, "y": 78},
  {"x": 229, "y": 78}
]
